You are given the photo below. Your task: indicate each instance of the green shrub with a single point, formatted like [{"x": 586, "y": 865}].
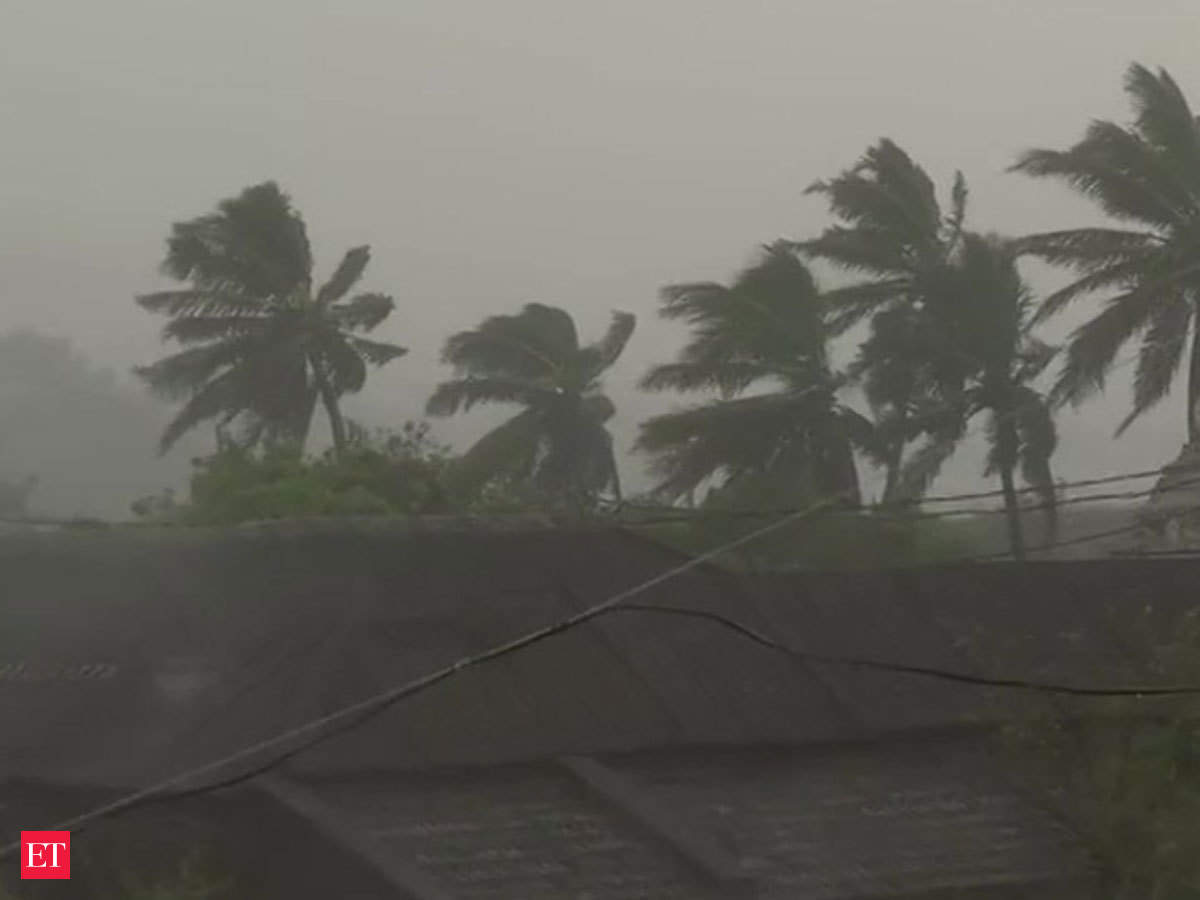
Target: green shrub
[{"x": 378, "y": 474}]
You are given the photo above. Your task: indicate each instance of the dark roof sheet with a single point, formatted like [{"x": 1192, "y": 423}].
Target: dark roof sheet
[
  {"x": 129, "y": 656},
  {"x": 895, "y": 819}
]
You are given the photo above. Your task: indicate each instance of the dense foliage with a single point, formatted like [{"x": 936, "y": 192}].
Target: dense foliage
[{"x": 376, "y": 474}]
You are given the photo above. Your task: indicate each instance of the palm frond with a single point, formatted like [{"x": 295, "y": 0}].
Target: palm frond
[
  {"x": 865, "y": 250},
  {"x": 847, "y": 306},
  {"x": 1088, "y": 250},
  {"x": 537, "y": 342},
  {"x": 1119, "y": 193},
  {"x": 886, "y": 191},
  {"x": 181, "y": 374},
  {"x": 221, "y": 395},
  {"x": 1094, "y": 345},
  {"x": 1132, "y": 155},
  {"x": 1093, "y": 348},
  {"x": 196, "y": 329},
  {"x": 510, "y": 449},
  {"x": 255, "y": 240},
  {"x": 728, "y": 377},
  {"x": 346, "y": 275},
  {"x": 1160, "y": 356},
  {"x": 1123, "y": 276},
  {"x": 363, "y": 312},
  {"x": 1166, "y": 120},
  {"x": 461, "y": 394},
  {"x": 598, "y": 357},
  {"x": 691, "y": 299},
  {"x": 377, "y": 353},
  {"x": 768, "y": 320},
  {"x": 202, "y": 302},
  {"x": 924, "y": 465},
  {"x": 727, "y": 437},
  {"x": 347, "y": 371}
]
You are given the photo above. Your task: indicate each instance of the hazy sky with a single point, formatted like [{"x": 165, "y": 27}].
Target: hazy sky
[{"x": 492, "y": 153}]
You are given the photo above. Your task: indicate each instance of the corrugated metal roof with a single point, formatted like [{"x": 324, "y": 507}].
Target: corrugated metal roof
[{"x": 195, "y": 645}]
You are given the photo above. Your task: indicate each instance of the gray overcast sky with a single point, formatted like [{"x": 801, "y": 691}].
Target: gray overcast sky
[{"x": 581, "y": 154}]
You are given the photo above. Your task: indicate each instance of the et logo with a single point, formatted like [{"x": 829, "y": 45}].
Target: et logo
[{"x": 45, "y": 854}]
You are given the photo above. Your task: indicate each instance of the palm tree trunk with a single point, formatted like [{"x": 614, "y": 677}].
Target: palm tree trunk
[
  {"x": 892, "y": 480},
  {"x": 851, "y": 489},
  {"x": 1193, "y": 387},
  {"x": 1007, "y": 443},
  {"x": 895, "y": 453},
  {"x": 337, "y": 424},
  {"x": 1012, "y": 512}
]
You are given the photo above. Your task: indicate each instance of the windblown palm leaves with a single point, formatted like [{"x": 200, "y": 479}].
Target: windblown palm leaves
[
  {"x": 992, "y": 322},
  {"x": 760, "y": 343},
  {"x": 261, "y": 345},
  {"x": 895, "y": 237},
  {"x": 558, "y": 443},
  {"x": 1147, "y": 177}
]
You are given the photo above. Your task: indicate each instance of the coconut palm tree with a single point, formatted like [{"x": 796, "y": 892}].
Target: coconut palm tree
[
  {"x": 1146, "y": 176},
  {"x": 558, "y": 443},
  {"x": 760, "y": 344},
  {"x": 262, "y": 344},
  {"x": 991, "y": 317},
  {"x": 893, "y": 235}
]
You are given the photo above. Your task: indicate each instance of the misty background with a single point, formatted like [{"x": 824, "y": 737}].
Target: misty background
[{"x": 578, "y": 154}]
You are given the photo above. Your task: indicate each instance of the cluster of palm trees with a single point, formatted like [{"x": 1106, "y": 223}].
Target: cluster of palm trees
[{"x": 947, "y": 325}]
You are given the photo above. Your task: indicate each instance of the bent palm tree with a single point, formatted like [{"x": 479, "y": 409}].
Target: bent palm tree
[
  {"x": 894, "y": 235},
  {"x": 764, "y": 334},
  {"x": 262, "y": 346},
  {"x": 559, "y": 442},
  {"x": 1148, "y": 176},
  {"x": 992, "y": 321}
]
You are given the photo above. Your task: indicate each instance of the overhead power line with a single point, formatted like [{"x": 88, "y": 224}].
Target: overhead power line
[
  {"x": 679, "y": 514},
  {"x": 1044, "y": 687},
  {"x": 975, "y": 495}
]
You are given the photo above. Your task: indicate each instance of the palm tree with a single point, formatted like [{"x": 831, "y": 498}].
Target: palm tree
[
  {"x": 261, "y": 345},
  {"x": 558, "y": 443},
  {"x": 1146, "y": 176},
  {"x": 760, "y": 343},
  {"x": 894, "y": 236},
  {"x": 991, "y": 317}
]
